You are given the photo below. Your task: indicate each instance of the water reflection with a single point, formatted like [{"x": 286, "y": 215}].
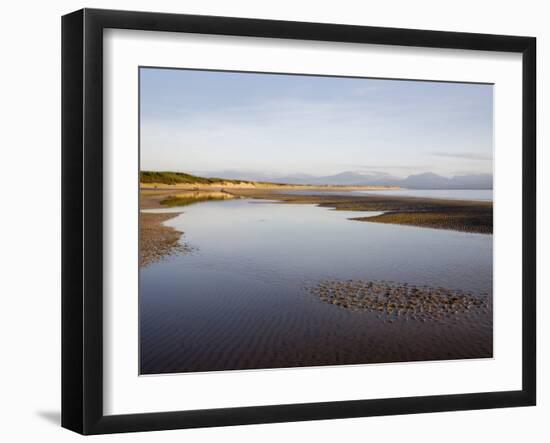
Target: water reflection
[{"x": 239, "y": 300}]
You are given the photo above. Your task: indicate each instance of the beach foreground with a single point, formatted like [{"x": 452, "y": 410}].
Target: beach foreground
[{"x": 157, "y": 240}]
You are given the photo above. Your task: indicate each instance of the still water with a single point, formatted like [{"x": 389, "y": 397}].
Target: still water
[
  {"x": 239, "y": 299},
  {"x": 451, "y": 194}
]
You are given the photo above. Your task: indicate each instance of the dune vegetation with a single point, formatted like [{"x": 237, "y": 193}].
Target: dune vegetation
[
  {"x": 162, "y": 180},
  {"x": 173, "y": 178}
]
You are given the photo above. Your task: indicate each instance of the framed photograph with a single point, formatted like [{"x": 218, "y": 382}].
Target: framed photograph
[{"x": 268, "y": 221}]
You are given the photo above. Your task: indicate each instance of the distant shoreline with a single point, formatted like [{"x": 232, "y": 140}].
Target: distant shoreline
[
  {"x": 256, "y": 185},
  {"x": 437, "y": 213},
  {"x": 346, "y": 179},
  {"x": 156, "y": 180}
]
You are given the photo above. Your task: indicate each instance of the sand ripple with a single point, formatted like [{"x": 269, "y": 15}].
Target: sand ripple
[{"x": 399, "y": 300}]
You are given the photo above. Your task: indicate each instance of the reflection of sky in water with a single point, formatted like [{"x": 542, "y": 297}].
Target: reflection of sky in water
[
  {"x": 252, "y": 260},
  {"x": 311, "y": 242}
]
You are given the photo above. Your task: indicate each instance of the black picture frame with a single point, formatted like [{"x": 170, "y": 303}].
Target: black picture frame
[{"x": 82, "y": 219}]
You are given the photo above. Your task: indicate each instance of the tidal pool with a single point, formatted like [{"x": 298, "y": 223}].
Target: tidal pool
[{"x": 240, "y": 298}]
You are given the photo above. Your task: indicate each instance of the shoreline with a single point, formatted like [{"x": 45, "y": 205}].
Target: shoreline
[
  {"x": 259, "y": 186},
  {"x": 455, "y": 215},
  {"x": 157, "y": 240}
]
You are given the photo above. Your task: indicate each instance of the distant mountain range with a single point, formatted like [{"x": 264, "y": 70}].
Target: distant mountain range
[{"x": 426, "y": 180}]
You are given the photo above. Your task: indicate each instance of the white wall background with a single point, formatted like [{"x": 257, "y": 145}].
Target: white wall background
[{"x": 30, "y": 221}]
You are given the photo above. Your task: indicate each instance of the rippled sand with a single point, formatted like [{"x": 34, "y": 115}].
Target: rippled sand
[
  {"x": 316, "y": 332},
  {"x": 400, "y": 301}
]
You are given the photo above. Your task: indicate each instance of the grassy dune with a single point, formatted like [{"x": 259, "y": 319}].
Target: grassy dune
[
  {"x": 174, "y": 178},
  {"x": 166, "y": 180}
]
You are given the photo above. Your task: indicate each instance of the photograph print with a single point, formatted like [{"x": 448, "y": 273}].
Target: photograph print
[{"x": 304, "y": 220}]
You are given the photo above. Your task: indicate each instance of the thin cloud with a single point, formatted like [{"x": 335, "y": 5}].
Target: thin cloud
[
  {"x": 294, "y": 127},
  {"x": 463, "y": 155},
  {"x": 387, "y": 166}
]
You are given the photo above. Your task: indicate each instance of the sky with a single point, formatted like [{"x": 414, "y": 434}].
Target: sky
[{"x": 278, "y": 125}]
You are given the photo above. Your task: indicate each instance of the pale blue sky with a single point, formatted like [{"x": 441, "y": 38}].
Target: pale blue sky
[{"x": 287, "y": 124}]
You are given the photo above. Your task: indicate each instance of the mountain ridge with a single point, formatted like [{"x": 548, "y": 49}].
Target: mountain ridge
[{"x": 424, "y": 180}]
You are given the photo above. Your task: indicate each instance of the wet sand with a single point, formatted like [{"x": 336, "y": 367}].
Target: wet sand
[
  {"x": 316, "y": 333},
  {"x": 475, "y": 219},
  {"x": 456, "y": 215},
  {"x": 400, "y": 301},
  {"x": 157, "y": 240}
]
